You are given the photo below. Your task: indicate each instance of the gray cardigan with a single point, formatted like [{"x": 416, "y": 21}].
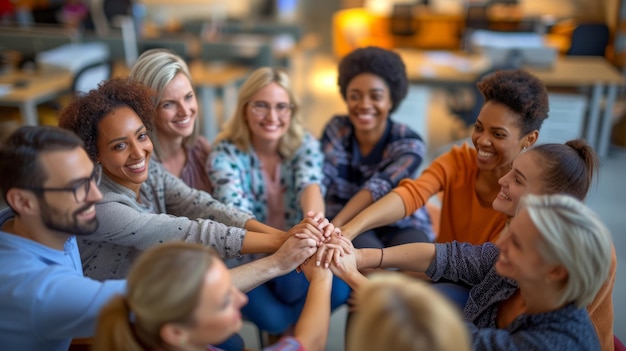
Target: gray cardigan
[{"x": 169, "y": 211}]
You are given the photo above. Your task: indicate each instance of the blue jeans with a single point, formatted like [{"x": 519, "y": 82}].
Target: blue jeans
[
  {"x": 455, "y": 292},
  {"x": 277, "y": 304}
]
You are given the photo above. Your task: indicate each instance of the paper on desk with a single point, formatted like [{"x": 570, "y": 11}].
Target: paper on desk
[{"x": 463, "y": 64}]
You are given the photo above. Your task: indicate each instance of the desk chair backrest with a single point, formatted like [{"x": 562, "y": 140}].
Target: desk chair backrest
[
  {"x": 589, "y": 39},
  {"x": 88, "y": 77}
]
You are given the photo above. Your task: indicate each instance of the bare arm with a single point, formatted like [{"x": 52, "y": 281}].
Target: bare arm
[
  {"x": 256, "y": 226},
  {"x": 311, "y": 199},
  {"x": 289, "y": 256},
  {"x": 357, "y": 203},
  {"x": 415, "y": 257},
  {"x": 312, "y": 326},
  {"x": 388, "y": 209}
]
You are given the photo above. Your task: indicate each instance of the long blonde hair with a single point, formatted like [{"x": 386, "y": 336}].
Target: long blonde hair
[
  {"x": 155, "y": 69},
  {"x": 164, "y": 286},
  {"x": 237, "y": 130},
  {"x": 399, "y": 313}
]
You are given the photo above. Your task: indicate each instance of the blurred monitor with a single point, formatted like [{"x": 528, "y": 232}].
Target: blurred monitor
[{"x": 513, "y": 49}]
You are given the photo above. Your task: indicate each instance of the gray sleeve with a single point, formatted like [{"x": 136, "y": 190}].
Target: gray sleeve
[
  {"x": 462, "y": 262},
  {"x": 181, "y": 200},
  {"x": 125, "y": 225}
]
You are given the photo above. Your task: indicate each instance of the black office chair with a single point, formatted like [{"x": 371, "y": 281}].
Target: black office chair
[
  {"x": 589, "y": 39},
  {"x": 88, "y": 77}
]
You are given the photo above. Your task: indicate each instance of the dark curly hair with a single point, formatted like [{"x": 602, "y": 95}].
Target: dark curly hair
[
  {"x": 521, "y": 92},
  {"x": 384, "y": 63},
  {"x": 84, "y": 113}
]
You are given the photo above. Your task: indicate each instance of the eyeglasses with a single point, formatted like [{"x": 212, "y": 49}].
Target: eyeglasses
[
  {"x": 262, "y": 108},
  {"x": 81, "y": 188}
]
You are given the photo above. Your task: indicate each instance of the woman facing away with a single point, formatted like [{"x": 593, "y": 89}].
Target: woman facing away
[
  {"x": 516, "y": 103},
  {"x": 367, "y": 153},
  {"x": 396, "y": 312},
  {"x": 180, "y": 297},
  {"x": 529, "y": 290},
  {"x": 264, "y": 162},
  {"x": 561, "y": 169},
  {"x": 175, "y": 137},
  {"x": 145, "y": 205}
]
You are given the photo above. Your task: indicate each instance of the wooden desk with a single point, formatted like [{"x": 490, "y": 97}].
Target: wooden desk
[
  {"x": 568, "y": 71},
  {"x": 40, "y": 86},
  {"x": 209, "y": 77}
]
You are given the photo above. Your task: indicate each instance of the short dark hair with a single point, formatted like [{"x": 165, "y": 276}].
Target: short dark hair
[
  {"x": 381, "y": 62},
  {"x": 84, "y": 113},
  {"x": 521, "y": 92},
  {"x": 20, "y": 165}
]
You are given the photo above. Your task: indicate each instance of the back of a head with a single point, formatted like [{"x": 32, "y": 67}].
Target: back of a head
[
  {"x": 19, "y": 156},
  {"x": 399, "y": 313},
  {"x": 164, "y": 286},
  {"x": 567, "y": 168},
  {"x": 521, "y": 92},
  {"x": 573, "y": 236}
]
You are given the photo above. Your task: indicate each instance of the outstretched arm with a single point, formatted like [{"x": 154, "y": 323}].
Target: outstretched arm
[
  {"x": 289, "y": 256},
  {"x": 312, "y": 326},
  {"x": 389, "y": 209},
  {"x": 415, "y": 257}
]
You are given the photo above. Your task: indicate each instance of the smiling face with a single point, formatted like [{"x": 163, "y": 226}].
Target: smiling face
[
  {"x": 519, "y": 258},
  {"x": 177, "y": 111},
  {"x": 218, "y": 313},
  {"x": 268, "y": 115},
  {"x": 369, "y": 103},
  {"x": 497, "y": 137},
  {"x": 59, "y": 209},
  {"x": 124, "y": 148},
  {"x": 523, "y": 178}
]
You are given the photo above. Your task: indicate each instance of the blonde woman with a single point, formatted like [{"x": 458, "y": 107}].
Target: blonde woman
[
  {"x": 264, "y": 162},
  {"x": 400, "y": 313},
  {"x": 180, "y": 296},
  {"x": 175, "y": 138}
]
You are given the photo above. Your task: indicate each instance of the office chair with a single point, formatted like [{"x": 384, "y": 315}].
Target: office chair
[
  {"x": 88, "y": 77},
  {"x": 589, "y": 39}
]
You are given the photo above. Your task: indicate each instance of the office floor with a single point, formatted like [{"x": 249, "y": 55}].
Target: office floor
[{"x": 321, "y": 100}]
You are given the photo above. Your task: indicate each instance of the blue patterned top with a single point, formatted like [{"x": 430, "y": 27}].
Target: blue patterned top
[
  {"x": 568, "y": 328},
  {"x": 397, "y": 155},
  {"x": 237, "y": 178}
]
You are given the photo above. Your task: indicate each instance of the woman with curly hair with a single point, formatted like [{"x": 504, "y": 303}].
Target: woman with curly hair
[
  {"x": 367, "y": 153},
  {"x": 516, "y": 104},
  {"x": 143, "y": 204}
]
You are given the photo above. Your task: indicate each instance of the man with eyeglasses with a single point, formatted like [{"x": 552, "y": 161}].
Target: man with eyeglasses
[{"x": 50, "y": 185}]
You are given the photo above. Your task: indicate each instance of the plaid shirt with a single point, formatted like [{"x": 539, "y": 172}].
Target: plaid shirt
[{"x": 396, "y": 156}]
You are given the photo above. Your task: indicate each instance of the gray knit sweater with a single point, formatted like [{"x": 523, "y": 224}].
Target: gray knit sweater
[{"x": 169, "y": 211}]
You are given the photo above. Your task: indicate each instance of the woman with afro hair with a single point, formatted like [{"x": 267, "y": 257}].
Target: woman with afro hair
[{"x": 367, "y": 153}]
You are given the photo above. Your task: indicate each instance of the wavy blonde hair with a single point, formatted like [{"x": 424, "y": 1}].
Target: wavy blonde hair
[
  {"x": 164, "y": 287},
  {"x": 237, "y": 130},
  {"x": 396, "y": 312},
  {"x": 155, "y": 69}
]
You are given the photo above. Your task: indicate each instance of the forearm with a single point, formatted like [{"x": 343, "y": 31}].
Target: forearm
[
  {"x": 250, "y": 275},
  {"x": 311, "y": 199},
  {"x": 388, "y": 209},
  {"x": 357, "y": 203},
  {"x": 415, "y": 257},
  {"x": 312, "y": 326},
  {"x": 256, "y": 226},
  {"x": 255, "y": 242}
]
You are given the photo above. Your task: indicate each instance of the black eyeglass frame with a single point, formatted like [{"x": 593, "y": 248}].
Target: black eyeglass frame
[{"x": 96, "y": 177}]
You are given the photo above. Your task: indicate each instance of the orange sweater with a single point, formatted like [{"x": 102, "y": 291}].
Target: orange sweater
[
  {"x": 463, "y": 218},
  {"x": 601, "y": 309}
]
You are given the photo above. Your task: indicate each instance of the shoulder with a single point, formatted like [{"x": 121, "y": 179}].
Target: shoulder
[
  {"x": 338, "y": 122},
  {"x": 402, "y": 131}
]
